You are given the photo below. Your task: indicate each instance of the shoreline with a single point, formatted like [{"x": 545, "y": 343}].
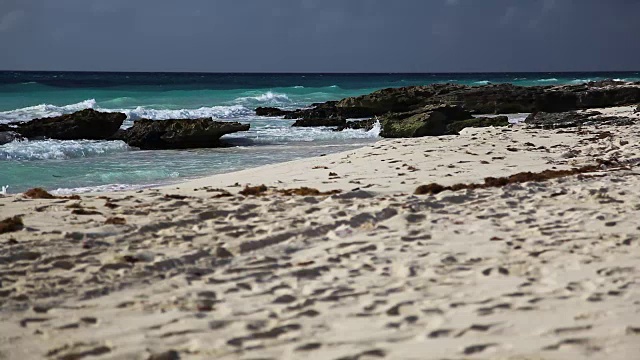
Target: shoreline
[{"x": 198, "y": 271}]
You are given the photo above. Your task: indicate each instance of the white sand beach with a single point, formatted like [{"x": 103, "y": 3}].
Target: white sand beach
[{"x": 533, "y": 270}]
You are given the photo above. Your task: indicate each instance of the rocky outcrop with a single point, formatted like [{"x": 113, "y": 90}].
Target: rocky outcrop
[
  {"x": 427, "y": 121},
  {"x": 87, "y": 124},
  {"x": 457, "y": 126},
  {"x": 325, "y": 114},
  {"x": 320, "y": 122},
  {"x": 179, "y": 133},
  {"x": 487, "y": 99},
  {"x": 271, "y": 111},
  {"x": 365, "y": 125},
  {"x": 9, "y": 136},
  {"x": 544, "y": 120}
]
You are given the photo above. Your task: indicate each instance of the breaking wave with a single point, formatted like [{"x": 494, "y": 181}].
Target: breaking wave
[
  {"x": 269, "y": 98},
  {"x": 216, "y": 112},
  {"x": 59, "y": 149},
  {"x": 44, "y": 110}
]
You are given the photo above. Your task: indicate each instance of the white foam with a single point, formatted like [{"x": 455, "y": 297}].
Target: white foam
[
  {"x": 59, "y": 149},
  {"x": 48, "y": 110},
  {"x": 271, "y": 134},
  {"x": 4, "y": 189},
  {"x": 268, "y": 98},
  {"x": 483, "y": 82},
  {"x": 580, "y": 81},
  {"x": 547, "y": 80},
  {"x": 44, "y": 110},
  {"x": 101, "y": 188},
  {"x": 216, "y": 112}
]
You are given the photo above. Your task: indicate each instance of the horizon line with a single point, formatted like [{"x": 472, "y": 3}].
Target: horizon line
[{"x": 318, "y": 73}]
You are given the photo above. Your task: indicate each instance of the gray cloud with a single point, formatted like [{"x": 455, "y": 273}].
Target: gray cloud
[{"x": 320, "y": 35}]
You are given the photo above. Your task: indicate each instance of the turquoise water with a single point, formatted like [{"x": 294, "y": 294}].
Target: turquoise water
[{"x": 101, "y": 165}]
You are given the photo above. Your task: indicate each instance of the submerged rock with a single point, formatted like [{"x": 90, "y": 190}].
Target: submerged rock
[
  {"x": 365, "y": 125},
  {"x": 327, "y": 114},
  {"x": 9, "y": 136},
  {"x": 320, "y": 122},
  {"x": 87, "y": 124},
  {"x": 271, "y": 111},
  {"x": 179, "y": 133}
]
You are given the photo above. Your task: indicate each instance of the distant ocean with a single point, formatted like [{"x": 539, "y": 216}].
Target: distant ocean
[{"x": 70, "y": 166}]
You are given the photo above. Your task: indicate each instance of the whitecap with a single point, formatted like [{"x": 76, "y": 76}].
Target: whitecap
[
  {"x": 547, "y": 80},
  {"x": 216, "y": 112},
  {"x": 269, "y": 98},
  {"x": 43, "y": 111},
  {"x": 483, "y": 82},
  {"x": 580, "y": 81}
]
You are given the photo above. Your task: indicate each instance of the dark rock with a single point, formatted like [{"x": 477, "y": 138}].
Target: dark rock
[
  {"x": 320, "y": 122},
  {"x": 568, "y": 119},
  {"x": 87, "y": 124},
  {"x": 180, "y": 133},
  {"x": 426, "y": 121},
  {"x": 558, "y": 120},
  {"x": 456, "y": 127},
  {"x": 431, "y": 123},
  {"x": 327, "y": 114},
  {"x": 271, "y": 111},
  {"x": 9, "y": 136},
  {"x": 120, "y": 134},
  {"x": 638, "y": 108},
  {"x": 487, "y": 99},
  {"x": 394, "y": 99},
  {"x": 359, "y": 125},
  {"x": 603, "y": 83}
]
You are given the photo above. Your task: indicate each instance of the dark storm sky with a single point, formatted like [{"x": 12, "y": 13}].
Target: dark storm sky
[{"x": 320, "y": 35}]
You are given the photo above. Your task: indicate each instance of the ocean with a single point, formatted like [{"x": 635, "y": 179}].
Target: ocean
[{"x": 85, "y": 166}]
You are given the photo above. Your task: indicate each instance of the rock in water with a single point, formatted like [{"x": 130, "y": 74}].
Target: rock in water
[
  {"x": 271, "y": 111},
  {"x": 365, "y": 125},
  {"x": 87, "y": 124},
  {"x": 488, "y": 99},
  {"x": 9, "y": 136},
  {"x": 320, "y": 122},
  {"x": 180, "y": 133}
]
